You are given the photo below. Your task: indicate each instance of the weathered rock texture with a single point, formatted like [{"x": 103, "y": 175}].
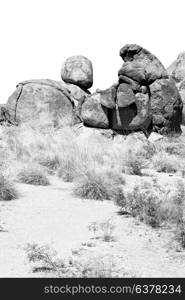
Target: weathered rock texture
[
  {"x": 143, "y": 99},
  {"x": 35, "y": 99},
  {"x": 5, "y": 117},
  {"x": 78, "y": 70},
  {"x": 177, "y": 71}
]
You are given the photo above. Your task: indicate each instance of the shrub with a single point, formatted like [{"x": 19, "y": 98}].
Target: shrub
[
  {"x": 156, "y": 205},
  {"x": 96, "y": 266},
  {"x": 173, "y": 146},
  {"x": 99, "y": 185},
  {"x": 32, "y": 175},
  {"x": 144, "y": 204},
  {"x": 177, "y": 213},
  {"x": 173, "y": 203},
  {"x": 133, "y": 162},
  {"x": 180, "y": 234},
  {"x": 163, "y": 162},
  {"x": 7, "y": 189}
]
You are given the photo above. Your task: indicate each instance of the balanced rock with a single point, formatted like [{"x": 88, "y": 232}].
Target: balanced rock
[
  {"x": 35, "y": 99},
  {"x": 78, "y": 70}
]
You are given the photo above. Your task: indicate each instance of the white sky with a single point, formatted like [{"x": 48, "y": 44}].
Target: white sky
[{"x": 38, "y": 35}]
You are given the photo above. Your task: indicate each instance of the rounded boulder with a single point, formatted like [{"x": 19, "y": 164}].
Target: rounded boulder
[{"x": 78, "y": 70}]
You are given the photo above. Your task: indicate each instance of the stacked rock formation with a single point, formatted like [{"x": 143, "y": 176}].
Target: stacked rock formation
[
  {"x": 177, "y": 72},
  {"x": 143, "y": 99},
  {"x": 34, "y": 99}
]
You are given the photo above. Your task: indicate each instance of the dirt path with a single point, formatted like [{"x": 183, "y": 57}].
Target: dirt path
[{"x": 52, "y": 215}]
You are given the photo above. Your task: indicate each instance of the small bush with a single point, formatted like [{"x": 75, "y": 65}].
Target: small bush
[
  {"x": 7, "y": 189},
  {"x": 177, "y": 214},
  {"x": 74, "y": 267},
  {"x": 156, "y": 205},
  {"x": 32, "y": 175},
  {"x": 163, "y": 162},
  {"x": 144, "y": 204},
  {"x": 180, "y": 234},
  {"x": 99, "y": 185},
  {"x": 173, "y": 146}
]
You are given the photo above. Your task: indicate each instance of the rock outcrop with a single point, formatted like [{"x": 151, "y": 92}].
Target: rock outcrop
[
  {"x": 177, "y": 72},
  {"x": 143, "y": 99},
  {"x": 53, "y": 100}
]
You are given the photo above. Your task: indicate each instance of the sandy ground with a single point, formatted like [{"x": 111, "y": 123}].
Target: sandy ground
[{"x": 52, "y": 215}]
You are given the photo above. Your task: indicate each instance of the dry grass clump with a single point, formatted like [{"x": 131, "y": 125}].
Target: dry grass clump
[
  {"x": 32, "y": 174},
  {"x": 164, "y": 162},
  {"x": 49, "y": 160},
  {"x": 100, "y": 185},
  {"x": 7, "y": 190},
  {"x": 68, "y": 169},
  {"x": 71, "y": 162},
  {"x": 79, "y": 156}
]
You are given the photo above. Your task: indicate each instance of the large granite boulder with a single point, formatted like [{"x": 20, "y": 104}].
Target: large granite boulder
[
  {"x": 76, "y": 93},
  {"x": 177, "y": 71},
  {"x": 140, "y": 65},
  {"x": 144, "y": 98},
  {"x": 107, "y": 97},
  {"x": 37, "y": 99},
  {"x": 166, "y": 106},
  {"x": 93, "y": 113},
  {"x": 78, "y": 70},
  {"x": 117, "y": 108}
]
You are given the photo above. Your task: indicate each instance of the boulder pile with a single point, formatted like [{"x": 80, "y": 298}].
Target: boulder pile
[{"x": 145, "y": 98}]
